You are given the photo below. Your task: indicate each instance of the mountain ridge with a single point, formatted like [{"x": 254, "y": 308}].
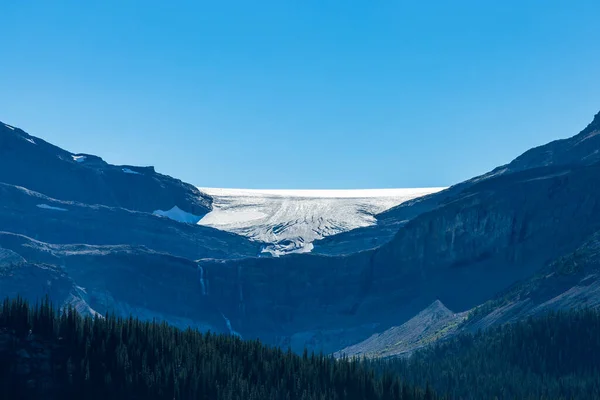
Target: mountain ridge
[
  {"x": 461, "y": 246},
  {"x": 31, "y": 162},
  {"x": 477, "y": 239}
]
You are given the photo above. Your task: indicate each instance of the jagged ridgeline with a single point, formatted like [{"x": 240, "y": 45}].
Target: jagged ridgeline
[{"x": 49, "y": 354}]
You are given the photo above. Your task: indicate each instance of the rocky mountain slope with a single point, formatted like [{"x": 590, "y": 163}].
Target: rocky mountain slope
[
  {"x": 54, "y": 221},
  {"x": 122, "y": 279},
  {"x": 460, "y": 246},
  {"x": 94, "y": 235},
  {"x": 32, "y": 163},
  {"x": 569, "y": 282},
  {"x": 464, "y": 245},
  {"x": 434, "y": 323},
  {"x": 581, "y": 149}
]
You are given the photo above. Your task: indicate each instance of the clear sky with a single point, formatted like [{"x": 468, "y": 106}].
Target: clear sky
[{"x": 301, "y": 94}]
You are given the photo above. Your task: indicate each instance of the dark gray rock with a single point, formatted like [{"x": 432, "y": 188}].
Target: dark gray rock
[
  {"x": 125, "y": 280},
  {"x": 581, "y": 149},
  {"x": 475, "y": 242},
  {"x": 461, "y": 246},
  {"x": 433, "y": 324},
  {"x": 42, "y": 167},
  {"x": 40, "y": 217},
  {"x": 569, "y": 282},
  {"x": 90, "y": 240}
]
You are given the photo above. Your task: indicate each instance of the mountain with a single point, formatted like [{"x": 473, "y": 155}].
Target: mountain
[
  {"x": 546, "y": 357},
  {"x": 102, "y": 237},
  {"x": 570, "y": 281},
  {"x": 32, "y": 163},
  {"x": 461, "y": 246},
  {"x": 295, "y": 221},
  {"x": 43, "y": 218},
  {"x": 434, "y": 323},
  {"x": 581, "y": 149},
  {"x": 123, "y": 279}
]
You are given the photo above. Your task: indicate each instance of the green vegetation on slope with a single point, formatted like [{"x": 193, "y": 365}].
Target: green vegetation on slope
[
  {"x": 47, "y": 354},
  {"x": 550, "y": 357},
  {"x": 52, "y": 355}
]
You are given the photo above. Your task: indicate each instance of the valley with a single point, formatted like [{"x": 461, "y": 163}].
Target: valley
[{"x": 128, "y": 247}]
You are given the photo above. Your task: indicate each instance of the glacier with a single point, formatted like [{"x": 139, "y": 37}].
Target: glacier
[{"x": 289, "y": 221}]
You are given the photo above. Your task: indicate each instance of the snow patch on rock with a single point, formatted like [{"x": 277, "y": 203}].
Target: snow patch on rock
[
  {"x": 47, "y": 207},
  {"x": 490, "y": 175},
  {"x": 177, "y": 214},
  {"x": 130, "y": 171},
  {"x": 79, "y": 159},
  {"x": 288, "y": 247}
]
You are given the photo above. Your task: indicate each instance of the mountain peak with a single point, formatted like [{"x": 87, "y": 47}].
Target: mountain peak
[
  {"x": 437, "y": 308},
  {"x": 433, "y": 323},
  {"x": 594, "y": 125}
]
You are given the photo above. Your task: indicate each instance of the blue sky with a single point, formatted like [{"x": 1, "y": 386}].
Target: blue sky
[{"x": 301, "y": 94}]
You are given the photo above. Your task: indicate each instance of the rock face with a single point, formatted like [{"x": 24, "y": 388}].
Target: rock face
[
  {"x": 85, "y": 232},
  {"x": 39, "y": 166},
  {"x": 533, "y": 221},
  {"x": 465, "y": 245},
  {"x": 122, "y": 279},
  {"x": 434, "y": 323},
  {"x": 570, "y": 281},
  {"x": 582, "y": 149},
  {"x": 49, "y": 220}
]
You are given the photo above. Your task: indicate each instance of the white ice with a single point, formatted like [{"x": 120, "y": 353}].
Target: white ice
[
  {"x": 9, "y": 127},
  {"x": 177, "y": 214},
  {"x": 47, "y": 207},
  {"x": 290, "y": 220},
  {"x": 79, "y": 159},
  {"x": 130, "y": 171},
  {"x": 30, "y": 140}
]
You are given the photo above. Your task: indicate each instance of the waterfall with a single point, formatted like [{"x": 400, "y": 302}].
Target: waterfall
[
  {"x": 201, "y": 279},
  {"x": 229, "y": 327},
  {"x": 241, "y": 305}
]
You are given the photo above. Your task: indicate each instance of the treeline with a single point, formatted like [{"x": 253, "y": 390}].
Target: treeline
[
  {"x": 555, "y": 356},
  {"x": 48, "y": 354}
]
